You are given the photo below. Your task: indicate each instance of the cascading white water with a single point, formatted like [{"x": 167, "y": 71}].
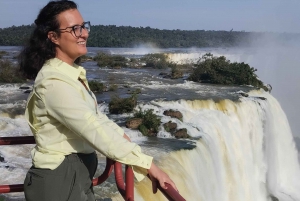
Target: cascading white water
[{"x": 246, "y": 152}]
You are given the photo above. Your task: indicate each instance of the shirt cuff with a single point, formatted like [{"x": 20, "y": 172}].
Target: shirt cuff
[{"x": 141, "y": 172}]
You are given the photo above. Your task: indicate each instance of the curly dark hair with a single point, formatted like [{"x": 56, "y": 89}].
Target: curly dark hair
[{"x": 39, "y": 48}]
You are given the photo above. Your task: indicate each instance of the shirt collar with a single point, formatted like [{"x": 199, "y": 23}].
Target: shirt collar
[{"x": 72, "y": 71}]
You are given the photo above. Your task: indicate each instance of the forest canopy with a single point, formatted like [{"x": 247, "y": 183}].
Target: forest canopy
[{"x": 127, "y": 36}]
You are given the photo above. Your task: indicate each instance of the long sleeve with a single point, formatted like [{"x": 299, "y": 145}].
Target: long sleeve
[{"x": 65, "y": 104}]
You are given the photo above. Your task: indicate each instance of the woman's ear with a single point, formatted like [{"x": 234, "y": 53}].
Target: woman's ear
[{"x": 52, "y": 36}]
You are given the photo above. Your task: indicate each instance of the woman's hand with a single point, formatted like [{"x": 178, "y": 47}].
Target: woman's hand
[{"x": 156, "y": 174}]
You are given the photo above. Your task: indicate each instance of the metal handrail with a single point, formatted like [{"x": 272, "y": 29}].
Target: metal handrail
[{"x": 126, "y": 188}]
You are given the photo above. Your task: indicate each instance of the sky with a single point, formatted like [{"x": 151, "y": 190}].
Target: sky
[{"x": 239, "y": 15}]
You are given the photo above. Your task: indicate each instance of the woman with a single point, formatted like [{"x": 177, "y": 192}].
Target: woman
[{"x": 62, "y": 113}]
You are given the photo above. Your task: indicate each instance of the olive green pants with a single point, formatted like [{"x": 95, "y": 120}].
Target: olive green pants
[{"x": 70, "y": 181}]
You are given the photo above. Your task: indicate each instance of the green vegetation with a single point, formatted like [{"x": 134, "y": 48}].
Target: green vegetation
[
  {"x": 219, "y": 70},
  {"x": 9, "y": 73},
  {"x": 119, "y": 105},
  {"x": 85, "y": 58},
  {"x": 135, "y": 91},
  {"x": 2, "y": 198},
  {"x": 176, "y": 72},
  {"x": 96, "y": 86},
  {"x": 156, "y": 60},
  {"x": 3, "y": 53},
  {"x": 113, "y": 61},
  {"x": 113, "y": 87},
  {"x": 150, "y": 124},
  {"x": 127, "y": 36},
  {"x": 15, "y": 35}
]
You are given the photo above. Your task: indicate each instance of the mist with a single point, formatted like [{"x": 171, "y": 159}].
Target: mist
[{"x": 278, "y": 63}]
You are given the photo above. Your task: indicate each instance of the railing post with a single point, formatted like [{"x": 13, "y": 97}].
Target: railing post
[{"x": 129, "y": 177}]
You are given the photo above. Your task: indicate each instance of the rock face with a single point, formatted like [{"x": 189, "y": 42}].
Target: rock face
[
  {"x": 244, "y": 94},
  {"x": 173, "y": 75},
  {"x": 262, "y": 98},
  {"x": 176, "y": 75},
  {"x": 170, "y": 127},
  {"x": 173, "y": 113},
  {"x": 2, "y": 159},
  {"x": 27, "y": 91},
  {"x": 24, "y": 87},
  {"x": 181, "y": 133},
  {"x": 134, "y": 123}
]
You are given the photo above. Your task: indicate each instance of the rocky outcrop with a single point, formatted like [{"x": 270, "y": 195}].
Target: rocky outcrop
[
  {"x": 243, "y": 94},
  {"x": 27, "y": 91},
  {"x": 170, "y": 127},
  {"x": 262, "y": 98},
  {"x": 181, "y": 133},
  {"x": 2, "y": 159},
  {"x": 174, "y": 114},
  {"x": 24, "y": 87},
  {"x": 134, "y": 123},
  {"x": 177, "y": 75}
]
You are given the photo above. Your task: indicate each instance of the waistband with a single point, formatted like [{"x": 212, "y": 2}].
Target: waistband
[{"x": 79, "y": 157}]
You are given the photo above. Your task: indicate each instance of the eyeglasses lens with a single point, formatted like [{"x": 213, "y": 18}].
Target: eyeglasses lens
[{"x": 78, "y": 29}]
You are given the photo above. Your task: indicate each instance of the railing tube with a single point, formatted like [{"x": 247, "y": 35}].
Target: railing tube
[
  {"x": 108, "y": 170},
  {"x": 17, "y": 140},
  {"x": 126, "y": 190},
  {"x": 11, "y": 188},
  {"x": 170, "y": 193},
  {"x": 119, "y": 179},
  {"x": 129, "y": 183}
]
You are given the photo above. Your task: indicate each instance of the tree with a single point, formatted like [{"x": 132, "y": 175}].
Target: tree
[{"x": 219, "y": 70}]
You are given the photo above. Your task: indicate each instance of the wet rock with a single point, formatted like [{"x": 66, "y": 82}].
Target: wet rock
[
  {"x": 262, "y": 98},
  {"x": 170, "y": 127},
  {"x": 2, "y": 159},
  {"x": 177, "y": 75},
  {"x": 273, "y": 198},
  {"x": 134, "y": 123},
  {"x": 151, "y": 134},
  {"x": 163, "y": 74},
  {"x": 181, "y": 133},
  {"x": 174, "y": 114},
  {"x": 136, "y": 91},
  {"x": 167, "y": 76},
  {"x": 269, "y": 87},
  {"x": 27, "y": 91},
  {"x": 24, "y": 87},
  {"x": 244, "y": 94}
]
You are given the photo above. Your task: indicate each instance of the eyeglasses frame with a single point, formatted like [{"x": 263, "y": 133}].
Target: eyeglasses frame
[{"x": 73, "y": 28}]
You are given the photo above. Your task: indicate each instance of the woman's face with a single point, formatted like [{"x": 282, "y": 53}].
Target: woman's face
[{"x": 70, "y": 47}]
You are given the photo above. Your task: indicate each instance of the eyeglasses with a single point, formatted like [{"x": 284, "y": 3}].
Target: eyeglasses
[{"x": 77, "y": 29}]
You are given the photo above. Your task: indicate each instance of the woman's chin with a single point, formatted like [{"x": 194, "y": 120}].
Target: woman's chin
[{"x": 83, "y": 51}]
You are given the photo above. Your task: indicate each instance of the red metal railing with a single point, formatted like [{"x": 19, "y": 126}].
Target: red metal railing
[{"x": 125, "y": 188}]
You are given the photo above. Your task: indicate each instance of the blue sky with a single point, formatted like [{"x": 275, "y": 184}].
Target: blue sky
[{"x": 248, "y": 15}]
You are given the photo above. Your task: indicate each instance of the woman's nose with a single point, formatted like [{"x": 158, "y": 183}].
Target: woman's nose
[{"x": 84, "y": 33}]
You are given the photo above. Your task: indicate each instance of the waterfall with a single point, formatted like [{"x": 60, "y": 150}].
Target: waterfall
[{"x": 246, "y": 152}]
